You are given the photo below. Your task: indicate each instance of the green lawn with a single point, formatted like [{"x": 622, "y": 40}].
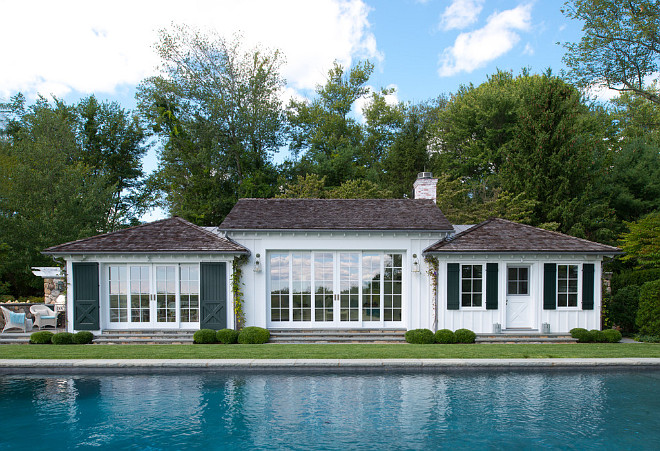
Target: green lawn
[{"x": 331, "y": 351}]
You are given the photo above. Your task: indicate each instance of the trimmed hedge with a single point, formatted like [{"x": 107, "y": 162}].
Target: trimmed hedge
[
  {"x": 420, "y": 336},
  {"x": 582, "y": 335},
  {"x": 84, "y": 337},
  {"x": 634, "y": 277},
  {"x": 598, "y": 336},
  {"x": 204, "y": 336},
  {"x": 445, "y": 336},
  {"x": 465, "y": 336},
  {"x": 42, "y": 337},
  {"x": 62, "y": 338},
  {"x": 612, "y": 335},
  {"x": 227, "y": 336},
  {"x": 253, "y": 335},
  {"x": 648, "y": 315},
  {"x": 622, "y": 307}
]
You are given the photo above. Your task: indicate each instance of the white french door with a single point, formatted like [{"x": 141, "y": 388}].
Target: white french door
[
  {"x": 158, "y": 296},
  {"x": 335, "y": 289}
]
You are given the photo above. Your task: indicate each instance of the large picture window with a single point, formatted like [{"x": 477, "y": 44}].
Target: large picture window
[
  {"x": 567, "y": 285},
  {"x": 335, "y": 286},
  {"x": 471, "y": 285}
]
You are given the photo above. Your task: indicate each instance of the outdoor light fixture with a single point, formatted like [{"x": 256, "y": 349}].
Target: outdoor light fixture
[
  {"x": 415, "y": 267},
  {"x": 257, "y": 263}
]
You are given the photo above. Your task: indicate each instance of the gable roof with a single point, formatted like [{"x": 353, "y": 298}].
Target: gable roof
[
  {"x": 336, "y": 214},
  {"x": 499, "y": 236},
  {"x": 172, "y": 235}
]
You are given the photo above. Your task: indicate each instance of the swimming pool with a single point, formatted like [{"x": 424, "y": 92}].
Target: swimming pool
[{"x": 338, "y": 411}]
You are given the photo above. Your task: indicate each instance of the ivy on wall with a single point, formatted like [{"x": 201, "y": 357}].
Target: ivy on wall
[
  {"x": 237, "y": 289},
  {"x": 432, "y": 271}
]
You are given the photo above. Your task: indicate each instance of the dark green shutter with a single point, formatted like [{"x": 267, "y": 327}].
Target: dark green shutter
[
  {"x": 588, "y": 286},
  {"x": 549, "y": 286},
  {"x": 213, "y": 296},
  {"x": 452, "y": 286},
  {"x": 86, "y": 296},
  {"x": 491, "y": 286}
]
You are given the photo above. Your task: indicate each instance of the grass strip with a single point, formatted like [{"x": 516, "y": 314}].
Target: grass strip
[{"x": 332, "y": 351}]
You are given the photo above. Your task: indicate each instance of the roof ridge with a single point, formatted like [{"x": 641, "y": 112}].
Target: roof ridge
[
  {"x": 114, "y": 232},
  {"x": 447, "y": 239},
  {"x": 554, "y": 232},
  {"x": 200, "y": 228}
]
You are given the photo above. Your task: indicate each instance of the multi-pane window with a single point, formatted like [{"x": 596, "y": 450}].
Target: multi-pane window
[
  {"x": 301, "y": 281},
  {"x": 323, "y": 286},
  {"x": 165, "y": 294},
  {"x": 335, "y": 286},
  {"x": 349, "y": 286},
  {"x": 279, "y": 287},
  {"x": 518, "y": 280},
  {"x": 567, "y": 285},
  {"x": 118, "y": 294},
  {"x": 189, "y": 293},
  {"x": 140, "y": 294},
  {"x": 471, "y": 285},
  {"x": 371, "y": 287},
  {"x": 393, "y": 286}
]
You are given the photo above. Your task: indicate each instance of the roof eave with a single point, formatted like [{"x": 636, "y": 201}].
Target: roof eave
[
  {"x": 246, "y": 252},
  {"x": 484, "y": 252},
  {"x": 335, "y": 230}
]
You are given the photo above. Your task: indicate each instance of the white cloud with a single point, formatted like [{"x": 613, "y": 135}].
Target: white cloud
[
  {"x": 361, "y": 103},
  {"x": 460, "y": 14},
  {"x": 474, "y": 49},
  {"x": 528, "y": 50},
  {"x": 79, "y": 45}
]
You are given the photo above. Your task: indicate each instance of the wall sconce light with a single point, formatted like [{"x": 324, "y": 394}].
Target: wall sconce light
[
  {"x": 257, "y": 263},
  {"x": 415, "y": 266}
]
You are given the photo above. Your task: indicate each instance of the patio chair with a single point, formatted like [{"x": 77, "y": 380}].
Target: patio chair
[
  {"x": 14, "y": 320},
  {"x": 43, "y": 316}
]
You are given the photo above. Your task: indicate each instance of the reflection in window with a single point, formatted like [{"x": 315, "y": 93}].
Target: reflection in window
[
  {"x": 518, "y": 278},
  {"x": 349, "y": 286},
  {"x": 370, "y": 287},
  {"x": 471, "y": 285},
  {"x": 393, "y": 286},
  {"x": 140, "y": 292},
  {"x": 117, "y": 292},
  {"x": 189, "y": 292},
  {"x": 567, "y": 285},
  {"x": 301, "y": 281},
  {"x": 323, "y": 283},
  {"x": 165, "y": 294},
  {"x": 279, "y": 287}
]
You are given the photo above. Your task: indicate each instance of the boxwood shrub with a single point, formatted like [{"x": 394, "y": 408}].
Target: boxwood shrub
[
  {"x": 445, "y": 336},
  {"x": 84, "y": 337},
  {"x": 204, "y": 336},
  {"x": 42, "y": 337},
  {"x": 62, "y": 338},
  {"x": 582, "y": 335},
  {"x": 612, "y": 335},
  {"x": 420, "y": 336},
  {"x": 253, "y": 335},
  {"x": 227, "y": 336},
  {"x": 598, "y": 336},
  {"x": 465, "y": 336}
]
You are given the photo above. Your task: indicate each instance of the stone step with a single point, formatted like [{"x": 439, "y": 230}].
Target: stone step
[
  {"x": 335, "y": 339},
  {"x": 148, "y": 332},
  {"x": 516, "y": 338},
  {"x": 143, "y": 341}
]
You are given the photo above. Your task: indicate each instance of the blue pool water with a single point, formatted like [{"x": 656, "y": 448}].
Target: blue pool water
[{"x": 540, "y": 410}]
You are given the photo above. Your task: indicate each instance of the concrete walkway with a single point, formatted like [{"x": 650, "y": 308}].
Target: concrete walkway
[{"x": 46, "y": 366}]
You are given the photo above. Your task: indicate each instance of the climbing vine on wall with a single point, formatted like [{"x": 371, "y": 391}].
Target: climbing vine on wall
[
  {"x": 237, "y": 289},
  {"x": 432, "y": 271}
]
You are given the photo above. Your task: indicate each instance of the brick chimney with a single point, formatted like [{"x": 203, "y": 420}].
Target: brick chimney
[{"x": 425, "y": 186}]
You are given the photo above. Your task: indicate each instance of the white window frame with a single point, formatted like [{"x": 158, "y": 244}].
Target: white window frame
[
  {"x": 578, "y": 305},
  {"x": 483, "y": 285}
]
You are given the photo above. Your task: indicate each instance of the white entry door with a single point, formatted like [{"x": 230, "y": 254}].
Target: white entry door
[{"x": 519, "y": 306}]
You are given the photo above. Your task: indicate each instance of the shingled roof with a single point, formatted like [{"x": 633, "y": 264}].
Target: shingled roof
[
  {"x": 336, "y": 214},
  {"x": 500, "y": 236},
  {"x": 173, "y": 235}
]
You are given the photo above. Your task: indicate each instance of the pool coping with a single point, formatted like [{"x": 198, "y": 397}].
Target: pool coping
[{"x": 81, "y": 366}]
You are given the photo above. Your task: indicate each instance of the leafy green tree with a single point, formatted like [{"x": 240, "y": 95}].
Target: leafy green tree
[
  {"x": 620, "y": 47},
  {"x": 47, "y": 195},
  {"x": 359, "y": 189},
  {"x": 323, "y": 134},
  {"x": 642, "y": 243},
  {"x": 310, "y": 186},
  {"x": 636, "y": 117},
  {"x": 217, "y": 109}
]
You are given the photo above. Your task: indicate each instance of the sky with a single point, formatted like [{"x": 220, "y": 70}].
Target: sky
[{"x": 423, "y": 48}]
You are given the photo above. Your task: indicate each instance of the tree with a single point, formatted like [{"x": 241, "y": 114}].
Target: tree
[
  {"x": 620, "y": 47},
  {"x": 217, "y": 109},
  {"x": 328, "y": 141},
  {"x": 312, "y": 186},
  {"x": 642, "y": 243},
  {"x": 47, "y": 195}
]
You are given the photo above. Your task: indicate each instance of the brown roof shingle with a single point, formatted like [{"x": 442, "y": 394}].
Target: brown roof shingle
[
  {"x": 336, "y": 214},
  {"x": 173, "y": 235},
  {"x": 499, "y": 235}
]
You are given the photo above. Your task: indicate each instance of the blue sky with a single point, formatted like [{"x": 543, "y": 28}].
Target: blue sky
[{"x": 423, "y": 48}]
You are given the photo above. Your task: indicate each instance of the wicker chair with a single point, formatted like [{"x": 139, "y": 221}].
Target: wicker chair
[
  {"x": 43, "y": 316},
  {"x": 12, "y": 320}
]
